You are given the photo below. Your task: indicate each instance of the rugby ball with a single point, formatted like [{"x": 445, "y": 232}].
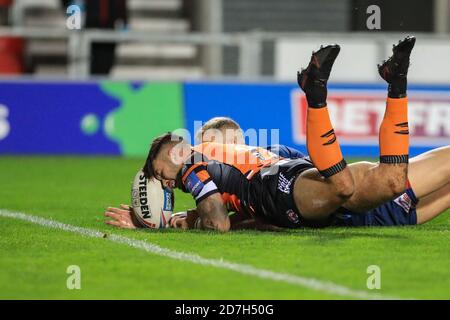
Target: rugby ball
[{"x": 152, "y": 204}]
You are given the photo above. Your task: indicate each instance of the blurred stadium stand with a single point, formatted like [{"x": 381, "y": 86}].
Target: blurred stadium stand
[
  {"x": 50, "y": 56},
  {"x": 242, "y": 38},
  {"x": 272, "y": 16},
  {"x": 242, "y": 55}
]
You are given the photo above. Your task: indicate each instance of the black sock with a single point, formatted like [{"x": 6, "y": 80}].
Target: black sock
[
  {"x": 316, "y": 94},
  {"x": 397, "y": 88}
]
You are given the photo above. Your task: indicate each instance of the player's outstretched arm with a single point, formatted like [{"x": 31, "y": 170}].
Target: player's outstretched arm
[
  {"x": 213, "y": 214},
  {"x": 184, "y": 220},
  {"x": 191, "y": 220}
]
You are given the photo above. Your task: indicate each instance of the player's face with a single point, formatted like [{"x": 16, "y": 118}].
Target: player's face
[
  {"x": 161, "y": 175},
  {"x": 163, "y": 168},
  {"x": 168, "y": 163}
]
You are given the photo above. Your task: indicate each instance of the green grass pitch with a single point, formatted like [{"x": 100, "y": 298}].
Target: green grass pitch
[{"x": 414, "y": 261}]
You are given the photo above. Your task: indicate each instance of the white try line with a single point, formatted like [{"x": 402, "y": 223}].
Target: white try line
[{"x": 311, "y": 283}]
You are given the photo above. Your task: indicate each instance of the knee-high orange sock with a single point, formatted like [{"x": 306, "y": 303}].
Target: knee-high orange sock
[
  {"x": 322, "y": 144},
  {"x": 394, "y": 132}
]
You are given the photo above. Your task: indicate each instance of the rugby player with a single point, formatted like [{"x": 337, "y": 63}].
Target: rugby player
[
  {"x": 404, "y": 210},
  {"x": 221, "y": 130},
  {"x": 299, "y": 192}
]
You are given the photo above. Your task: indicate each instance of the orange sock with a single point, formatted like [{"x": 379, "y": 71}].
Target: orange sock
[
  {"x": 321, "y": 142},
  {"x": 394, "y": 132}
]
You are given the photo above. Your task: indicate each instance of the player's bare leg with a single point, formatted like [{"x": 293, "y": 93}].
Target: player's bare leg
[
  {"x": 319, "y": 192},
  {"x": 429, "y": 171},
  {"x": 433, "y": 204},
  {"x": 429, "y": 176},
  {"x": 367, "y": 185},
  {"x": 379, "y": 183}
]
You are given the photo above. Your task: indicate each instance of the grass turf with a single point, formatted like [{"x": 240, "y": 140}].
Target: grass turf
[{"x": 414, "y": 260}]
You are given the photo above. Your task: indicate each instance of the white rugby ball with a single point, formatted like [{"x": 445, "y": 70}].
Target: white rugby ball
[{"x": 152, "y": 204}]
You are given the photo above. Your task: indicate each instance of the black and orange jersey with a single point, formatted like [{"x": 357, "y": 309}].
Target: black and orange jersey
[{"x": 229, "y": 169}]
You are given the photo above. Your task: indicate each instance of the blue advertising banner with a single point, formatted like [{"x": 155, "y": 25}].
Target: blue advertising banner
[
  {"x": 253, "y": 106},
  {"x": 107, "y": 118},
  {"x": 48, "y": 118}
]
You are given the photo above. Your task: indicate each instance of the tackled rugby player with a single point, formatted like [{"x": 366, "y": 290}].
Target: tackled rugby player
[{"x": 318, "y": 192}]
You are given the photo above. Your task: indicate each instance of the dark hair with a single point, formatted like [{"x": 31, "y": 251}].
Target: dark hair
[{"x": 154, "y": 150}]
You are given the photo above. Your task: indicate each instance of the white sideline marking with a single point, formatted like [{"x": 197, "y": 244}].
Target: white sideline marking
[{"x": 311, "y": 283}]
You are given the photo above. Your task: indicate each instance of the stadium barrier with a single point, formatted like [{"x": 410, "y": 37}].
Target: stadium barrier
[
  {"x": 288, "y": 49},
  {"x": 121, "y": 118}
]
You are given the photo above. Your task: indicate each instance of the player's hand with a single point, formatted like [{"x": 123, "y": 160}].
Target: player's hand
[
  {"x": 179, "y": 221},
  {"x": 122, "y": 217}
]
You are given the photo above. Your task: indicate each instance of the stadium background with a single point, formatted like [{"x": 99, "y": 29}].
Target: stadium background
[
  {"x": 158, "y": 86},
  {"x": 76, "y": 121}
]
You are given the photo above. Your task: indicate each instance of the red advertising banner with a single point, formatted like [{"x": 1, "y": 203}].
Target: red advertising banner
[{"x": 357, "y": 116}]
